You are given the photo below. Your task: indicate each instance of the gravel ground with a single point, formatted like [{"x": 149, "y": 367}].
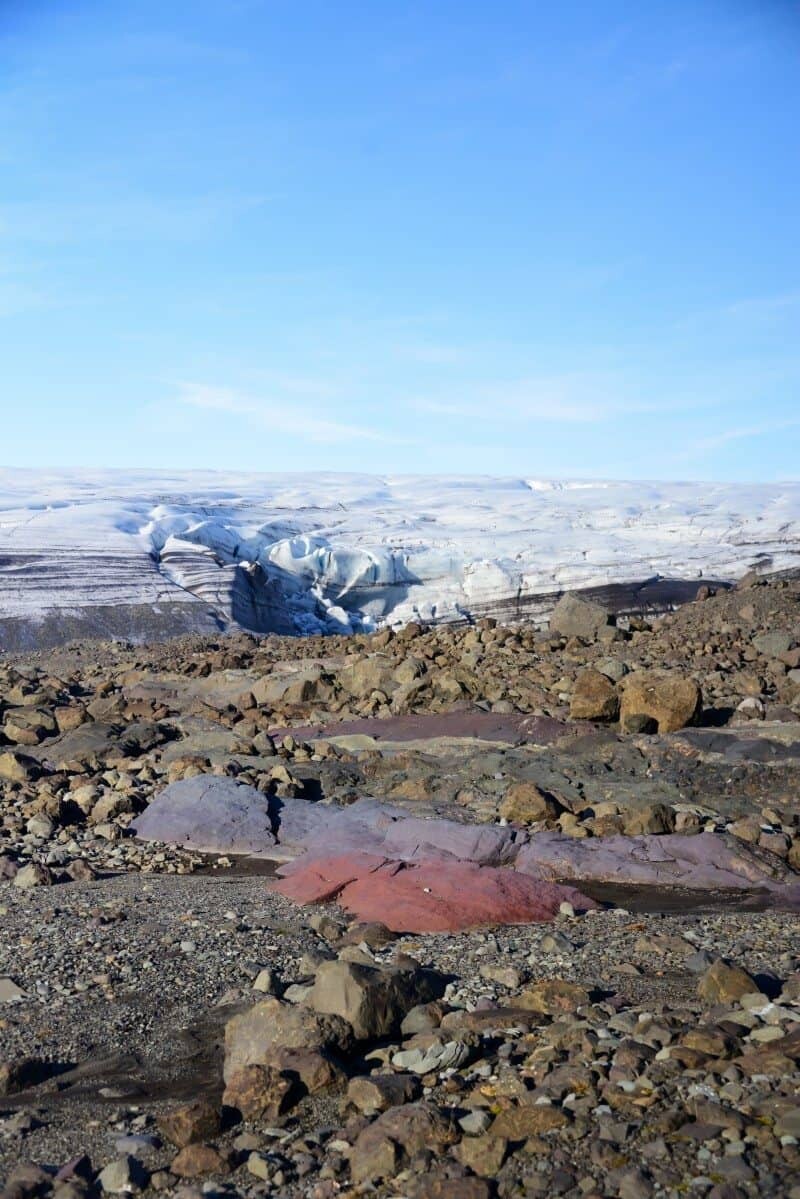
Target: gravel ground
[{"x": 130, "y": 979}]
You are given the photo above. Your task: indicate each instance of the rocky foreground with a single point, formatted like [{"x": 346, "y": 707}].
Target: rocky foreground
[{"x": 176, "y": 1018}]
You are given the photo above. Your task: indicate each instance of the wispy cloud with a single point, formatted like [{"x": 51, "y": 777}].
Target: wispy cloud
[
  {"x": 743, "y": 314},
  {"x": 279, "y": 414},
  {"x": 17, "y": 297},
  {"x": 745, "y": 433},
  {"x": 568, "y": 398},
  {"x": 123, "y": 217},
  {"x": 760, "y": 307},
  {"x": 430, "y": 354}
]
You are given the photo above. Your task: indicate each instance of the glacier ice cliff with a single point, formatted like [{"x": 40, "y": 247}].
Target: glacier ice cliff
[{"x": 142, "y": 554}]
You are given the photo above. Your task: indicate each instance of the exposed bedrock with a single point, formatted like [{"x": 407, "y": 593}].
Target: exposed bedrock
[{"x": 433, "y": 875}]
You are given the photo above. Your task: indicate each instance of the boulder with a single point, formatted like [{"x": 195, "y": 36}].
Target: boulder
[
  {"x": 35, "y": 874},
  {"x": 413, "y": 839},
  {"x": 312, "y": 1070},
  {"x": 652, "y": 818},
  {"x": 209, "y": 814},
  {"x": 18, "y": 767},
  {"x": 313, "y": 879},
  {"x": 282, "y": 690},
  {"x": 520, "y": 1123},
  {"x": 723, "y": 983},
  {"x": 191, "y": 1122},
  {"x": 384, "y": 1147},
  {"x": 359, "y": 827},
  {"x": 198, "y": 1160},
  {"x": 251, "y": 1037},
  {"x": 125, "y": 1176},
  {"x": 378, "y": 1092},
  {"x": 28, "y": 726},
  {"x": 525, "y": 803},
  {"x": 658, "y": 699},
  {"x": 366, "y": 675},
  {"x": 774, "y": 644},
  {"x": 297, "y": 821},
  {"x": 373, "y": 1000},
  {"x": 594, "y": 697},
  {"x": 260, "y": 1093},
  {"x": 576, "y": 617},
  {"x": 553, "y": 997}
]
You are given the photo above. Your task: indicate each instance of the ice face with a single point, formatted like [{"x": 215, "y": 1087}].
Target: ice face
[{"x": 330, "y": 552}]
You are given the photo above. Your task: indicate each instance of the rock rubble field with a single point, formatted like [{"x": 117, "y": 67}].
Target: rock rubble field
[{"x": 475, "y": 911}]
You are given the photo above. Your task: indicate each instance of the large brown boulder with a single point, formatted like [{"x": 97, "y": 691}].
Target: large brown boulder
[
  {"x": 525, "y": 803},
  {"x": 576, "y": 617},
  {"x": 298, "y": 687},
  {"x": 373, "y": 1000},
  {"x": 17, "y": 767},
  {"x": 396, "y": 1137},
  {"x": 724, "y": 983},
  {"x": 365, "y": 675},
  {"x": 653, "y": 700},
  {"x": 252, "y": 1036},
  {"x": 594, "y": 697}
]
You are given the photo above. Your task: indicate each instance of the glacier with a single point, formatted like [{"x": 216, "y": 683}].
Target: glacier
[{"x": 142, "y": 554}]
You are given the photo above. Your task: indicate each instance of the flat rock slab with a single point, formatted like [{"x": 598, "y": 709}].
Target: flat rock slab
[
  {"x": 513, "y": 729},
  {"x": 416, "y": 874},
  {"x": 768, "y": 743},
  {"x": 428, "y": 896},
  {"x": 416, "y": 839},
  {"x": 361, "y": 826},
  {"x": 209, "y": 814},
  {"x": 706, "y": 861}
]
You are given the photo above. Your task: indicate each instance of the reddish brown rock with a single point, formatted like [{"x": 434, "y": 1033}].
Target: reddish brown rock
[
  {"x": 519, "y": 1123},
  {"x": 525, "y": 803},
  {"x": 553, "y": 997},
  {"x": 594, "y": 697},
  {"x": 665, "y": 700},
  {"x": 443, "y": 896},
  {"x": 192, "y": 1122},
  {"x": 197, "y": 1160},
  {"x": 260, "y": 1093}
]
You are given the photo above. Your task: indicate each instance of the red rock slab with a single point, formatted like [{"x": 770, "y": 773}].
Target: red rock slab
[
  {"x": 513, "y": 729},
  {"x": 426, "y": 897},
  {"x": 312, "y": 879}
]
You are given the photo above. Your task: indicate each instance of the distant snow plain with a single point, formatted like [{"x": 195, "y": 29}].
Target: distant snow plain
[{"x": 339, "y": 552}]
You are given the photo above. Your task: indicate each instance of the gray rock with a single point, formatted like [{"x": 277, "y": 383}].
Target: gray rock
[
  {"x": 32, "y": 875},
  {"x": 125, "y": 1174},
  {"x": 10, "y": 992},
  {"x": 700, "y": 961},
  {"x": 576, "y": 617},
  {"x": 415, "y": 838},
  {"x": 210, "y": 815},
  {"x": 475, "y": 1122},
  {"x": 438, "y": 1055},
  {"x": 773, "y": 644}
]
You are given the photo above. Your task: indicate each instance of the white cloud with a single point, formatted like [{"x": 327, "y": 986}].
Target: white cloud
[
  {"x": 567, "y": 398},
  {"x": 123, "y": 216},
  {"x": 744, "y": 433},
  {"x": 281, "y": 414}
]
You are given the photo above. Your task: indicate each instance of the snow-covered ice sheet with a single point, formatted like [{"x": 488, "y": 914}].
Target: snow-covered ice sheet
[{"x": 338, "y": 551}]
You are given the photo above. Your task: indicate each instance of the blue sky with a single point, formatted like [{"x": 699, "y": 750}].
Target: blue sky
[{"x": 515, "y": 238}]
